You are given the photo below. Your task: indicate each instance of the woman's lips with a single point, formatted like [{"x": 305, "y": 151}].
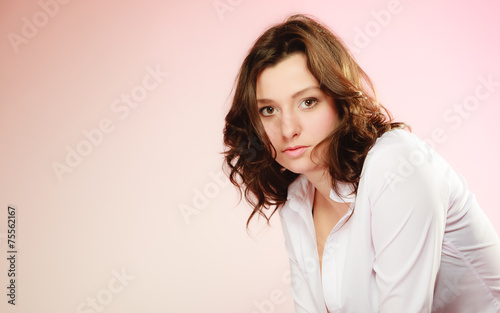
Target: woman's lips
[{"x": 295, "y": 151}]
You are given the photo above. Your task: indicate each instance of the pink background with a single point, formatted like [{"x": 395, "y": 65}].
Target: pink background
[{"x": 119, "y": 208}]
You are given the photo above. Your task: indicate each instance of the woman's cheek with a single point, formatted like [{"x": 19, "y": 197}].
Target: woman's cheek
[{"x": 323, "y": 124}]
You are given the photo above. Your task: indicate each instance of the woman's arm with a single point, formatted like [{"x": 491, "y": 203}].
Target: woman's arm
[{"x": 409, "y": 205}]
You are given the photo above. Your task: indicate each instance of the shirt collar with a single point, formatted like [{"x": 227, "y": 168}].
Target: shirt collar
[
  {"x": 346, "y": 193},
  {"x": 300, "y": 193}
]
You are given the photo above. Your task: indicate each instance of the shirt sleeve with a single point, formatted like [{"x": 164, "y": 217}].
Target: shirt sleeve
[
  {"x": 408, "y": 198},
  {"x": 299, "y": 290},
  {"x": 303, "y": 299}
]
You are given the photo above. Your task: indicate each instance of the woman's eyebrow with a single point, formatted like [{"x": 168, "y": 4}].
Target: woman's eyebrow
[
  {"x": 299, "y": 93},
  {"x": 294, "y": 96}
]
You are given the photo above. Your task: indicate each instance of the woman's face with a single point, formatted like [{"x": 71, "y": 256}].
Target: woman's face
[{"x": 297, "y": 115}]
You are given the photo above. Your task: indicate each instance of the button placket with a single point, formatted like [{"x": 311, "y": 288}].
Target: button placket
[{"x": 331, "y": 264}]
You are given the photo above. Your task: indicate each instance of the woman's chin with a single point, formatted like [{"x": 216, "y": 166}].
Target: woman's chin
[{"x": 302, "y": 169}]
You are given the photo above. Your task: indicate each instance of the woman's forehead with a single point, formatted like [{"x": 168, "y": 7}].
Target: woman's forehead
[{"x": 285, "y": 79}]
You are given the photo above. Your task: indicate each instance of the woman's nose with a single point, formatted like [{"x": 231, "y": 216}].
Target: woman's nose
[{"x": 290, "y": 125}]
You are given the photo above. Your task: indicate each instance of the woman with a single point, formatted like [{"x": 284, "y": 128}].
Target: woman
[{"x": 374, "y": 220}]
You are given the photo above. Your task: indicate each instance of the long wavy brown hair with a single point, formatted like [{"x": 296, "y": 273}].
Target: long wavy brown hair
[{"x": 250, "y": 156}]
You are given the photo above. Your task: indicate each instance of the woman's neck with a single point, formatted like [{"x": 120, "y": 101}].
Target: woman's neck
[{"x": 322, "y": 181}]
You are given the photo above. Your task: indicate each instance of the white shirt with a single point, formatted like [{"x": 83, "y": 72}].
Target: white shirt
[{"x": 416, "y": 241}]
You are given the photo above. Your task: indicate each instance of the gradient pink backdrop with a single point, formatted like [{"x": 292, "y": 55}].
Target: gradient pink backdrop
[{"x": 119, "y": 210}]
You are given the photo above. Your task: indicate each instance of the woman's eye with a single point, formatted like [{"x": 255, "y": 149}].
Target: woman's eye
[
  {"x": 266, "y": 111},
  {"x": 309, "y": 102}
]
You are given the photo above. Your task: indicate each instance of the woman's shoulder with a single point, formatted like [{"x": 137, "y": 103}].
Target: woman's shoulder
[
  {"x": 399, "y": 143},
  {"x": 398, "y": 138},
  {"x": 399, "y": 155}
]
